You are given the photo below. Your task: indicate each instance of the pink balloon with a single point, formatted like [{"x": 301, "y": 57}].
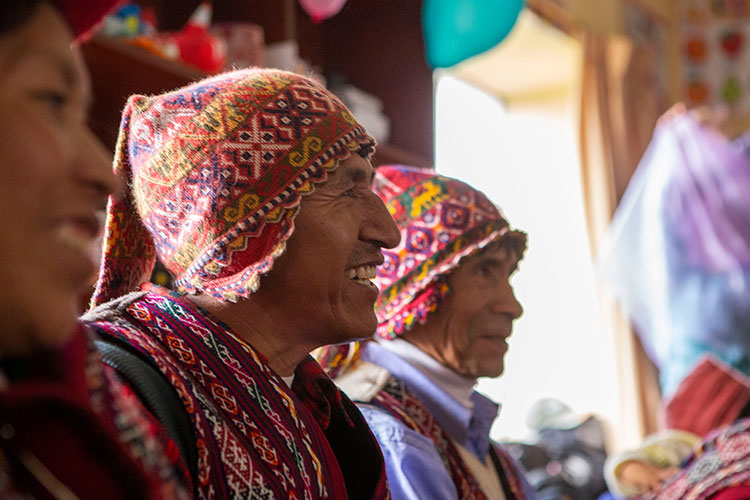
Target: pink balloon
[{"x": 322, "y": 9}]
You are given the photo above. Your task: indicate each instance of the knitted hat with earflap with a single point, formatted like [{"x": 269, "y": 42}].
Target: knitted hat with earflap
[
  {"x": 442, "y": 220},
  {"x": 215, "y": 172}
]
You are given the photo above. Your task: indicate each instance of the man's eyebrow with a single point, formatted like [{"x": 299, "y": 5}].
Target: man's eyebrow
[
  {"x": 71, "y": 76},
  {"x": 491, "y": 260},
  {"x": 60, "y": 63},
  {"x": 497, "y": 262},
  {"x": 64, "y": 66}
]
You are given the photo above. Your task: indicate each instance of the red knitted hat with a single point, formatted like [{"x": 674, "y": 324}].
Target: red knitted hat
[{"x": 216, "y": 172}]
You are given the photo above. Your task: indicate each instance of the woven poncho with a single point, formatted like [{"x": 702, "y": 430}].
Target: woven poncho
[
  {"x": 442, "y": 220},
  {"x": 216, "y": 171}
]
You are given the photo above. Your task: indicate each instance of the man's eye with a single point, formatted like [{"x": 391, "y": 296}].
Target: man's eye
[
  {"x": 57, "y": 100},
  {"x": 350, "y": 193}
]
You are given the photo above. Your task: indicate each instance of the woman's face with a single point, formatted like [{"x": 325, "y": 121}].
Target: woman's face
[{"x": 54, "y": 180}]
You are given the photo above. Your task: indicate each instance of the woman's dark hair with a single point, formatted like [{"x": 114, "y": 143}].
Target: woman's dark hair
[{"x": 15, "y": 13}]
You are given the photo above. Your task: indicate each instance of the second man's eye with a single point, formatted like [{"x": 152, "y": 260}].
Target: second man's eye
[{"x": 56, "y": 99}]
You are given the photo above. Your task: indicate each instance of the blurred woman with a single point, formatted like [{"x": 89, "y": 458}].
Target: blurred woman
[{"x": 67, "y": 427}]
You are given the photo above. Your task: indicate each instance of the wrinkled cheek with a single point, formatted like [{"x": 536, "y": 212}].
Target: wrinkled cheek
[
  {"x": 470, "y": 366},
  {"x": 457, "y": 358},
  {"x": 454, "y": 345}
]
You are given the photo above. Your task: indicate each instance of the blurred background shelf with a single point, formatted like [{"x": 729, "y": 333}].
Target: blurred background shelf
[
  {"x": 119, "y": 70},
  {"x": 376, "y": 45}
]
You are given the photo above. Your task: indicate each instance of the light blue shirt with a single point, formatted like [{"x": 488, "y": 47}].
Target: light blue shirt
[{"x": 414, "y": 468}]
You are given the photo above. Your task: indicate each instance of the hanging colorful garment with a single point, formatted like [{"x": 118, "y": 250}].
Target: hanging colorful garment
[{"x": 256, "y": 437}]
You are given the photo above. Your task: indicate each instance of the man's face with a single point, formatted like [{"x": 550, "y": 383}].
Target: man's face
[
  {"x": 469, "y": 331},
  {"x": 54, "y": 179},
  {"x": 322, "y": 285}
]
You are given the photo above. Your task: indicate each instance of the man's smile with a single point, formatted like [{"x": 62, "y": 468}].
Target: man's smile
[{"x": 362, "y": 274}]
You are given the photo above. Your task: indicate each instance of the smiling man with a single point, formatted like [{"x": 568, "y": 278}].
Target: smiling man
[
  {"x": 446, "y": 311},
  {"x": 253, "y": 189}
]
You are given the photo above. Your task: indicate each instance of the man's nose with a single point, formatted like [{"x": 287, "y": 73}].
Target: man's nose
[
  {"x": 382, "y": 228},
  {"x": 93, "y": 164},
  {"x": 506, "y": 301}
]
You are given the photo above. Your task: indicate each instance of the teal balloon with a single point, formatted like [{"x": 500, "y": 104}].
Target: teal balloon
[{"x": 455, "y": 30}]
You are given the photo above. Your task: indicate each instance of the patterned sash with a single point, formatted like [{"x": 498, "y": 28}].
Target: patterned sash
[
  {"x": 396, "y": 400},
  {"x": 255, "y": 437}
]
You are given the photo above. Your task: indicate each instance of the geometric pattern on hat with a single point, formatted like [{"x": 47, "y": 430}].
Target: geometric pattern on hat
[
  {"x": 442, "y": 220},
  {"x": 216, "y": 172}
]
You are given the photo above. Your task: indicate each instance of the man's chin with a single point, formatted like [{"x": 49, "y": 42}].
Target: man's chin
[
  {"x": 489, "y": 371},
  {"x": 358, "y": 333},
  {"x": 492, "y": 373}
]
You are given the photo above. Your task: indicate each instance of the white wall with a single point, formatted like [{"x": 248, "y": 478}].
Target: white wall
[{"x": 525, "y": 159}]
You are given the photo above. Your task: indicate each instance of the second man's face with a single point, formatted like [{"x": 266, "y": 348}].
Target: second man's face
[{"x": 469, "y": 331}]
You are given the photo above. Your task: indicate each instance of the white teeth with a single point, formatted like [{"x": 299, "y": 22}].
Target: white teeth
[{"x": 362, "y": 274}]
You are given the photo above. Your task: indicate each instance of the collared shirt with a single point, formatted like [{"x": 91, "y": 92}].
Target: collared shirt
[
  {"x": 466, "y": 415},
  {"x": 414, "y": 468}
]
